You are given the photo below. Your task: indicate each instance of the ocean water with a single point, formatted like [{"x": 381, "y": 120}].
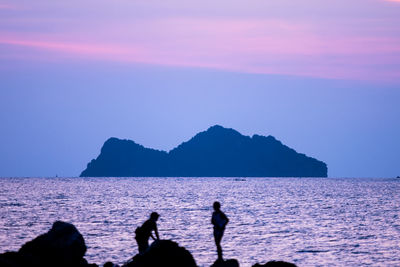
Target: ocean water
[{"x": 307, "y": 221}]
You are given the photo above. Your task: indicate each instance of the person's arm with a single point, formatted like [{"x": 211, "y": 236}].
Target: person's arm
[
  {"x": 152, "y": 236},
  {"x": 226, "y": 219},
  {"x": 156, "y": 232}
]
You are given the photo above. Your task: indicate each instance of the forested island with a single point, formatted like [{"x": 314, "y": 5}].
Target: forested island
[{"x": 216, "y": 152}]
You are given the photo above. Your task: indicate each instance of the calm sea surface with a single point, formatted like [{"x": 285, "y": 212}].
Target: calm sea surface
[{"x": 311, "y": 222}]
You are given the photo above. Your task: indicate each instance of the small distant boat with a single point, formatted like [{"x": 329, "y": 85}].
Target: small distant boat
[
  {"x": 240, "y": 179},
  {"x": 398, "y": 177}
]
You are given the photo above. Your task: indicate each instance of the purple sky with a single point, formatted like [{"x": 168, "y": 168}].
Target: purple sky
[
  {"x": 358, "y": 39},
  {"x": 321, "y": 76}
]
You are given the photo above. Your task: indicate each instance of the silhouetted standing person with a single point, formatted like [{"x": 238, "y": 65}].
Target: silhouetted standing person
[
  {"x": 144, "y": 232},
  {"x": 219, "y": 220}
]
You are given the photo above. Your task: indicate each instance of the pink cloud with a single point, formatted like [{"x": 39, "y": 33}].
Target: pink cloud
[
  {"x": 7, "y": 6},
  {"x": 74, "y": 48}
]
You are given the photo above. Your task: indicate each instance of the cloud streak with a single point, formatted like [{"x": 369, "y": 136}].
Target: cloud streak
[{"x": 3, "y": 6}]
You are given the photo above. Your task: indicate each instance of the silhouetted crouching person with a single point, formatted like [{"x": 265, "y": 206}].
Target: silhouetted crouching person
[
  {"x": 144, "y": 232},
  {"x": 219, "y": 220}
]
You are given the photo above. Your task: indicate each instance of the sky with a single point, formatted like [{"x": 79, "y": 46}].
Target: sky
[{"x": 323, "y": 77}]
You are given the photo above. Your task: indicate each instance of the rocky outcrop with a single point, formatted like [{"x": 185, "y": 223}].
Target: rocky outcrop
[
  {"x": 163, "y": 253},
  {"x": 62, "y": 246},
  {"x": 226, "y": 263},
  {"x": 275, "y": 264},
  {"x": 235, "y": 263},
  {"x": 217, "y": 152}
]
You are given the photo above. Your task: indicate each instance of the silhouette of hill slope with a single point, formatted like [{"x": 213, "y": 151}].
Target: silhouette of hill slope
[{"x": 217, "y": 152}]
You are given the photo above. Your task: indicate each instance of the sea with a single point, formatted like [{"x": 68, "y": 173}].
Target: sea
[{"x": 306, "y": 221}]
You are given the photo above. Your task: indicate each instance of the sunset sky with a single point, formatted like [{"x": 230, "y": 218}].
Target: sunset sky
[{"x": 321, "y": 76}]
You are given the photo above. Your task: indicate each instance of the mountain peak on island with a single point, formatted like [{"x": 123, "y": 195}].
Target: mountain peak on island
[
  {"x": 217, "y": 127},
  {"x": 218, "y": 130},
  {"x": 216, "y": 152}
]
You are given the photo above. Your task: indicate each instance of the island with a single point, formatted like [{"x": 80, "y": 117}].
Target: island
[{"x": 216, "y": 152}]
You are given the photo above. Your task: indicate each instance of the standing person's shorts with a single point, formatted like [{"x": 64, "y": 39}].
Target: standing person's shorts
[{"x": 218, "y": 233}]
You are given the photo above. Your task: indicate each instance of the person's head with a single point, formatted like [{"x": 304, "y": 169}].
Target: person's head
[
  {"x": 216, "y": 205},
  {"x": 154, "y": 216}
]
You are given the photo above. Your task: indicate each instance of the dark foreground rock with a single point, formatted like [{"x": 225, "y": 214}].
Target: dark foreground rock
[
  {"x": 62, "y": 246},
  {"x": 226, "y": 263},
  {"x": 276, "y": 264},
  {"x": 163, "y": 253},
  {"x": 235, "y": 263}
]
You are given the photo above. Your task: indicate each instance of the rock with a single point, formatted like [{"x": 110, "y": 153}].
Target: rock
[
  {"x": 276, "y": 264},
  {"x": 163, "y": 253},
  {"x": 9, "y": 259},
  {"x": 226, "y": 263},
  {"x": 62, "y": 246}
]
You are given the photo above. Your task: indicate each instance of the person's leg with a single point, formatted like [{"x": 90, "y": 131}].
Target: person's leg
[
  {"x": 143, "y": 244},
  {"x": 217, "y": 238},
  {"x": 219, "y": 251}
]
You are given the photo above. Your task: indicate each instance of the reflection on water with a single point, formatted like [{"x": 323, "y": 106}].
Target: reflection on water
[{"x": 309, "y": 222}]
